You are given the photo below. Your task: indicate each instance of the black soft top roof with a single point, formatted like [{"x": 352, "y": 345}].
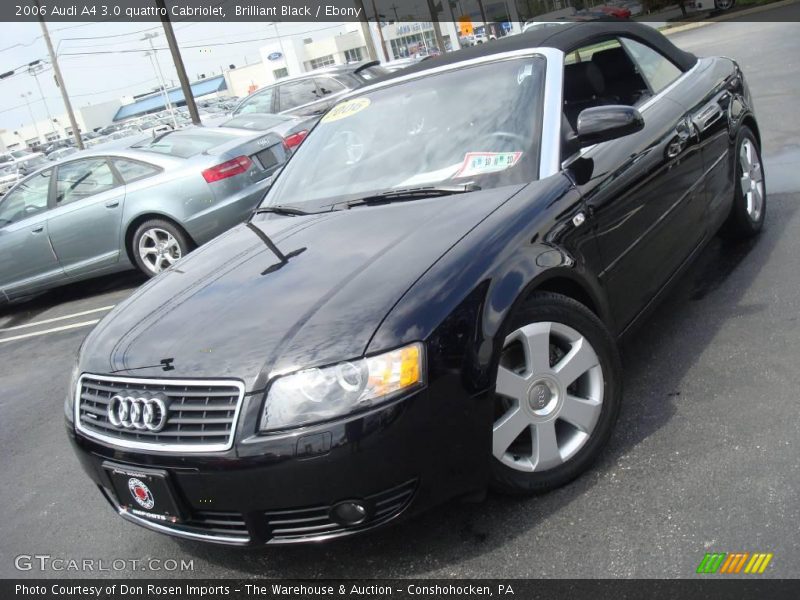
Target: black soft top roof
[{"x": 566, "y": 38}]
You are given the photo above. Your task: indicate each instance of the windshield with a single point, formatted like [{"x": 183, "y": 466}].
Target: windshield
[{"x": 478, "y": 124}]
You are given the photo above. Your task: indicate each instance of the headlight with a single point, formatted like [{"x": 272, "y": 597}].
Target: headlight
[
  {"x": 69, "y": 402},
  {"x": 315, "y": 395}
]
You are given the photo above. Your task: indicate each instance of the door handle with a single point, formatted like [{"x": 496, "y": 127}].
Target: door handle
[
  {"x": 37, "y": 229},
  {"x": 112, "y": 204}
]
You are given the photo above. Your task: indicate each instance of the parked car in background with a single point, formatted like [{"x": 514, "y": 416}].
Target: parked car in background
[
  {"x": 58, "y": 145},
  {"x": 311, "y": 93},
  {"x": 292, "y": 129},
  {"x": 9, "y": 175},
  {"x": 25, "y": 160},
  {"x": 142, "y": 206},
  {"x": 62, "y": 153},
  {"x": 403, "y": 63}
]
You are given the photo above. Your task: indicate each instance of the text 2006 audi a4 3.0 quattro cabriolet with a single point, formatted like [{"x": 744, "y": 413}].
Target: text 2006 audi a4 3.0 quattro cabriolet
[{"x": 428, "y": 301}]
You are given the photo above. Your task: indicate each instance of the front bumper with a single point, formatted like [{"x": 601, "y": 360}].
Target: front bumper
[{"x": 397, "y": 461}]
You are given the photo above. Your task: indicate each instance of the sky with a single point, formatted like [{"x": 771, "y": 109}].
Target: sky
[{"x": 96, "y": 69}]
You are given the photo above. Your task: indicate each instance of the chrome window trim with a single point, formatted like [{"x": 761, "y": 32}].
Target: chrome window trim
[
  {"x": 159, "y": 446},
  {"x": 550, "y": 143}
]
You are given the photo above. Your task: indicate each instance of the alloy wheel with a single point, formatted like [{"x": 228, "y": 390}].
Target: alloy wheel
[
  {"x": 158, "y": 249},
  {"x": 752, "y": 179},
  {"x": 549, "y": 397}
]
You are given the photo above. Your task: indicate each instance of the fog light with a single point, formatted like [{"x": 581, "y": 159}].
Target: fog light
[{"x": 349, "y": 512}]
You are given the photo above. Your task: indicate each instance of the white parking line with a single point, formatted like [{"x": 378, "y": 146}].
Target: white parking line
[
  {"x": 54, "y": 319},
  {"x": 46, "y": 331}
]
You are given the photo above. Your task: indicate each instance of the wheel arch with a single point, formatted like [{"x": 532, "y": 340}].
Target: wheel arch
[
  {"x": 569, "y": 283},
  {"x": 749, "y": 120},
  {"x": 138, "y": 220}
]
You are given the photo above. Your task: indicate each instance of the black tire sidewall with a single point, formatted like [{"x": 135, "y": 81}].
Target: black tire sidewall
[
  {"x": 173, "y": 229},
  {"x": 561, "y": 309},
  {"x": 739, "y": 223}
]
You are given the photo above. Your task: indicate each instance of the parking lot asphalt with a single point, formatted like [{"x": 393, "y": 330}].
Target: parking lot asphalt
[{"x": 704, "y": 458}]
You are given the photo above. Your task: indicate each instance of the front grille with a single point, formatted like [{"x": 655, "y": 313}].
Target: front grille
[
  {"x": 305, "y": 524},
  {"x": 215, "y": 524},
  {"x": 201, "y": 414}
]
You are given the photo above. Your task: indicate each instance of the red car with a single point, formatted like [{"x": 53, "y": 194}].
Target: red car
[{"x": 615, "y": 11}]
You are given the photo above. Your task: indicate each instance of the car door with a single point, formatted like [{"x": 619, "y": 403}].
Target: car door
[
  {"x": 713, "y": 103},
  {"x": 642, "y": 195},
  {"x": 84, "y": 223},
  {"x": 329, "y": 90},
  {"x": 262, "y": 101},
  {"x": 27, "y": 261},
  {"x": 300, "y": 98}
]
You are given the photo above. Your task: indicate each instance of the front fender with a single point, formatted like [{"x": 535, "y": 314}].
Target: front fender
[{"x": 463, "y": 301}]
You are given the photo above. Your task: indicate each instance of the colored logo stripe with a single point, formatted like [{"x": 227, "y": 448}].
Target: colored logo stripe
[{"x": 733, "y": 562}]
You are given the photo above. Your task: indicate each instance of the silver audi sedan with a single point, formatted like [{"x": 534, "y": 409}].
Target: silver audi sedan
[{"x": 133, "y": 205}]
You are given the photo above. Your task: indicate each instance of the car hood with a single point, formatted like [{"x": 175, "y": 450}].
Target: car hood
[{"x": 282, "y": 293}]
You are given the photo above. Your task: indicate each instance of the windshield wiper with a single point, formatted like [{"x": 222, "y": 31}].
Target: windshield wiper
[
  {"x": 282, "y": 210},
  {"x": 414, "y": 193}
]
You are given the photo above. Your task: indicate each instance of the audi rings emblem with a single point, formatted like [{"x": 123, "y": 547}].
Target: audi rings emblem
[{"x": 138, "y": 413}]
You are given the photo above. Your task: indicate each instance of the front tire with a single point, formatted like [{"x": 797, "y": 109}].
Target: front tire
[
  {"x": 157, "y": 244},
  {"x": 557, "y": 395},
  {"x": 749, "y": 195}
]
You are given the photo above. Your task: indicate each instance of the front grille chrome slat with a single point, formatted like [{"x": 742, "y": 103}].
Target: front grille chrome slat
[{"x": 201, "y": 414}]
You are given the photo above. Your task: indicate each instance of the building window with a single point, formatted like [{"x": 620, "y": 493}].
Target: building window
[
  {"x": 32, "y": 141},
  {"x": 354, "y": 54},
  {"x": 51, "y": 137},
  {"x": 411, "y": 45},
  {"x": 322, "y": 61},
  {"x": 280, "y": 73}
]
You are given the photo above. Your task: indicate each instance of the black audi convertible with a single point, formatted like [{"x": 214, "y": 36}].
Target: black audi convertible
[{"x": 428, "y": 302}]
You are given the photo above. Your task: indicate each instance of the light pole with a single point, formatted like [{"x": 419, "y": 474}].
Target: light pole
[
  {"x": 148, "y": 37},
  {"x": 25, "y": 96},
  {"x": 34, "y": 69}
]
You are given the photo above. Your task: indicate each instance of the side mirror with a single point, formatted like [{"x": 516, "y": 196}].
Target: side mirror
[{"x": 604, "y": 123}]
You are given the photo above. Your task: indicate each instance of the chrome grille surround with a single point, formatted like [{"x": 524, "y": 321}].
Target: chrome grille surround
[{"x": 203, "y": 413}]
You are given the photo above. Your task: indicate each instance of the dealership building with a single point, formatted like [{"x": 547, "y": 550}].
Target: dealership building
[{"x": 287, "y": 57}]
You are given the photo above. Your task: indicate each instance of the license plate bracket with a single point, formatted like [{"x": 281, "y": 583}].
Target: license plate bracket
[{"x": 145, "y": 493}]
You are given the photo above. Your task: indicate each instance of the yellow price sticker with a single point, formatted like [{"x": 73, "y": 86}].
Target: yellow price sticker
[{"x": 346, "y": 109}]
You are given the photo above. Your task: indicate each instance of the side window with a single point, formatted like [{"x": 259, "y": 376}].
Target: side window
[
  {"x": 260, "y": 102},
  {"x": 27, "y": 199},
  {"x": 655, "y": 67},
  {"x": 601, "y": 74},
  {"x": 297, "y": 93},
  {"x": 83, "y": 178},
  {"x": 328, "y": 85},
  {"x": 133, "y": 170}
]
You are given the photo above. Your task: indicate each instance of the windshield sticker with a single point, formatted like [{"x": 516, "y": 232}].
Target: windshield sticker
[
  {"x": 479, "y": 163},
  {"x": 524, "y": 72},
  {"x": 346, "y": 109}
]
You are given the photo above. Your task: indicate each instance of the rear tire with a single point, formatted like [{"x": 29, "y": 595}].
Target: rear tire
[
  {"x": 749, "y": 193},
  {"x": 157, "y": 244},
  {"x": 557, "y": 395}
]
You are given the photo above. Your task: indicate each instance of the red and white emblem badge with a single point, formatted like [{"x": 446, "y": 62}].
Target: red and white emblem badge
[{"x": 141, "y": 493}]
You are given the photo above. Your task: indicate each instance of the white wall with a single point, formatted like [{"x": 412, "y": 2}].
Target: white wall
[{"x": 245, "y": 80}]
